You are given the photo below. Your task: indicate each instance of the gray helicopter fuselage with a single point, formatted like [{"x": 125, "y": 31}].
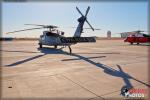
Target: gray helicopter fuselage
[
  {"x": 54, "y": 39},
  {"x": 51, "y": 39}
]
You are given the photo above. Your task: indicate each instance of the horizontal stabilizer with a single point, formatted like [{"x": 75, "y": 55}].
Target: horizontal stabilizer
[
  {"x": 146, "y": 35},
  {"x": 77, "y": 39}
]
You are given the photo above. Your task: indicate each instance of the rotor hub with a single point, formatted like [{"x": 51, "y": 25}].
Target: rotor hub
[{"x": 81, "y": 19}]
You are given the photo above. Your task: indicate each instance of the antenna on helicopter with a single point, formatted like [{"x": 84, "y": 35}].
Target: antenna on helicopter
[{"x": 84, "y": 18}]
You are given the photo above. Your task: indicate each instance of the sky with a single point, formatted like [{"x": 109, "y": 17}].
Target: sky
[{"x": 114, "y": 16}]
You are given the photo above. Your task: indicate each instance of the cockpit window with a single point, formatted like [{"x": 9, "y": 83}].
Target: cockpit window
[
  {"x": 51, "y": 34},
  {"x": 41, "y": 36}
]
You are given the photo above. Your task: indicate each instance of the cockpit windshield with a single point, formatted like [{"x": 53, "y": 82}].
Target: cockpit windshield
[{"x": 52, "y": 34}]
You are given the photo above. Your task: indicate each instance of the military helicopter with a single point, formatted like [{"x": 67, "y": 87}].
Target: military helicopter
[{"x": 54, "y": 37}]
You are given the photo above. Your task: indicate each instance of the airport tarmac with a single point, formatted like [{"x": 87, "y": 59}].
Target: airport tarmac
[{"x": 94, "y": 71}]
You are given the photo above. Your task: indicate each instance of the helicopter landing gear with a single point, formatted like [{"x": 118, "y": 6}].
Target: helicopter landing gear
[
  {"x": 131, "y": 43},
  {"x": 40, "y": 45},
  {"x": 70, "y": 49},
  {"x": 55, "y": 46}
]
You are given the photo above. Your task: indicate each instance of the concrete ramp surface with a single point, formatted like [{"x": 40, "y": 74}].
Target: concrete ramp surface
[{"x": 95, "y": 71}]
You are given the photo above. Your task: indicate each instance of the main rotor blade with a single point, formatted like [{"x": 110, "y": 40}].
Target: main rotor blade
[
  {"x": 138, "y": 31},
  {"x": 44, "y": 26},
  {"x": 93, "y": 28},
  {"x": 90, "y": 25},
  {"x": 79, "y": 11},
  {"x": 35, "y": 24},
  {"x": 24, "y": 30},
  {"x": 87, "y": 11},
  {"x": 83, "y": 28}
]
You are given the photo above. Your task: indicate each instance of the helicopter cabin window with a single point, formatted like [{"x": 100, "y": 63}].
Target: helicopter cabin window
[
  {"x": 41, "y": 36},
  {"x": 47, "y": 34},
  {"x": 62, "y": 33}
]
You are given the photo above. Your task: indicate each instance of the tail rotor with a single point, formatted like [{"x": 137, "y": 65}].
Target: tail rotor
[{"x": 84, "y": 17}]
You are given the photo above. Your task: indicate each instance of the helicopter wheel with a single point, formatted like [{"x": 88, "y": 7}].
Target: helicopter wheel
[
  {"x": 40, "y": 45},
  {"x": 138, "y": 43},
  {"x": 70, "y": 49},
  {"x": 131, "y": 43},
  {"x": 55, "y": 46}
]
